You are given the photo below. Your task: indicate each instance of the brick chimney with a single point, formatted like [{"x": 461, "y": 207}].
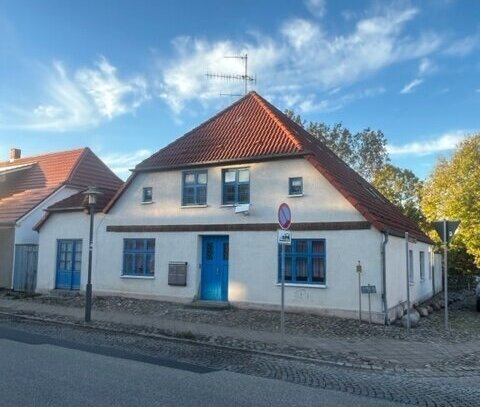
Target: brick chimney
[{"x": 15, "y": 154}]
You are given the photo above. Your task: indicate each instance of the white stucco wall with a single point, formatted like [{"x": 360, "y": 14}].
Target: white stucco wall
[
  {"x": 253, "y": 266},
  {"x": 420, "y": 290},
  {"x": 24, "y": 233},
  {"x": 253, "y": 260},
  {"x": 268, "y": 188},
  {"x": 69, "y": 225}
]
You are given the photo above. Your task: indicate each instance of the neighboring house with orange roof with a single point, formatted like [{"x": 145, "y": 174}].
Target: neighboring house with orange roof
[
  {"x": 198, "y": 221},
  {"x": 28, "y": 185}
]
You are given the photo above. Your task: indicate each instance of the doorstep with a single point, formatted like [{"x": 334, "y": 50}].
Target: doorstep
[{"x": 215, "y": 305}]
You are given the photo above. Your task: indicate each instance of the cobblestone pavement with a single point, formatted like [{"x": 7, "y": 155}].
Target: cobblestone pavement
[
  {"x": 428, "y": 352},
  {"x": 406, "y": 388},
  {"x": 464, "y": 321}
]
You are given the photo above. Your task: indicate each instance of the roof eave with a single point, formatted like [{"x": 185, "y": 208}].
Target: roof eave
[{"x": 246, "y": 160}]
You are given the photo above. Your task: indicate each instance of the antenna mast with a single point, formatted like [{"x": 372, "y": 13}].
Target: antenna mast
[{"x": 246, "y": 78}]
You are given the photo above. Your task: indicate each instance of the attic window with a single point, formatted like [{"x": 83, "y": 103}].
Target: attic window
[{"x": 147, "y": 195}]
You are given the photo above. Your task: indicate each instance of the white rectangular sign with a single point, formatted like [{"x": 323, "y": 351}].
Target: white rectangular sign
[{"x": 284, "y": 237}]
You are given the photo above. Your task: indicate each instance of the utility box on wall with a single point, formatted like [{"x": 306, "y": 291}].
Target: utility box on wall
[{"x": 177, "y": 273}]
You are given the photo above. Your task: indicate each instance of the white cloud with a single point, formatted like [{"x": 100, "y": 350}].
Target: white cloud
[
  {"x": 445, "y": 142},
  {"x": 317, "y": 7},
  {"x": 303, "y": 56},
  {"x": 410, "y": 87},
  {"x": 111, "y": 95},
  {"x": 79, "y": 100},
  {"x": 426, "y": 66},
  {"x": 121, "y": 163},
  {"x": 464, "y": 46}
]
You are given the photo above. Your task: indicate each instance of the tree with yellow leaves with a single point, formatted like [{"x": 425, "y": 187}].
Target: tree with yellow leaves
[{"x": 453, "y": 192}]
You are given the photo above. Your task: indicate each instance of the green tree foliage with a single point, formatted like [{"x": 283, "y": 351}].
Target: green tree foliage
[
  {"x": 453, "y": 192},
  {"x": 403, "y": 188},
  {"x": 365, "y": 151}
]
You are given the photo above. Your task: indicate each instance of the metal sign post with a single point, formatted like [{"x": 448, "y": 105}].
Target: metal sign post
[
  {"x": 359, "y": 272},
  {"x": 284, "y": 238},
  {"x": 446, "y": 230},
  {"x": 445, "y": 273},
  {"x": 408, "y": 281}
]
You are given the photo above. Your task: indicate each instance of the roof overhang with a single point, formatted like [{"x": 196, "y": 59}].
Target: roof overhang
[{"x": 15, "y": 168}]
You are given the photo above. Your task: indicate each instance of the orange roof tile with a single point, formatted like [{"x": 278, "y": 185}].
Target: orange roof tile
[{"x": 23, "y": 188}]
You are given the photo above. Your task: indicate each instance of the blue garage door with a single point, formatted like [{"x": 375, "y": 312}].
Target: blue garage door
[{"x": 69, "y": 264}]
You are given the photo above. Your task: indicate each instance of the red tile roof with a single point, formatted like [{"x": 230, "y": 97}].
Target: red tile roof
[
  {"x": 77, "y": 202},
  {"x": 253, "y": 129},
  {"x": 26, "y": 182}
]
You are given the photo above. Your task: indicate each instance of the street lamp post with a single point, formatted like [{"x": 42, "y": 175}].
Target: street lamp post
[{"x": 92, "y": 194}]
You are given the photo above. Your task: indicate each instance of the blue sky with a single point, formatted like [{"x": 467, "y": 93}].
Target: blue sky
[{"x": 127, "y": 77}]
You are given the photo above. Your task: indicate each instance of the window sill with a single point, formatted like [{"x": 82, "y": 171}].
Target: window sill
[
  {"x": 193, "y": 206},
  {"x": 147, "y": 203},
  {"x": 138, "y": 277},
  {"x": 227, "y": 206},
  {"x": 295, "y": 196},
  {"x": 302, "y": 285}
]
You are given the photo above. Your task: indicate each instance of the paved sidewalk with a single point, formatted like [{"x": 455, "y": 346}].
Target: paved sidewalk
[{"x": 364, "y": 350}]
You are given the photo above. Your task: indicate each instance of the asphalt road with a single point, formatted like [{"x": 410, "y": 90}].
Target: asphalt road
[
  {"x": 39, "y": 370},
  {"x": 47, "y": 364}
]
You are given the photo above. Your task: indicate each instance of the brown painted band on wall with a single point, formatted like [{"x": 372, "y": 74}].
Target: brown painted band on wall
[{"x": 240, "y": 227}]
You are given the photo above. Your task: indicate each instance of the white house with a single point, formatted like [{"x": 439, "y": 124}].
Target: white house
[
  {"x": 29, "y": 185},
  {"x": 198, "y": 221}
]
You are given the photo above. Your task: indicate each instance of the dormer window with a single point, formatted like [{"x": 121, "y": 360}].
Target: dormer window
[{"x": 147, "y": 195}]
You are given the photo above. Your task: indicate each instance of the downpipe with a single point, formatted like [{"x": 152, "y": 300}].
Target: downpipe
[{"x": 384, "y": 276}]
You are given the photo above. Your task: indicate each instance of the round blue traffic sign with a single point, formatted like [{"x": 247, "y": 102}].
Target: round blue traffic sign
[{"x": 284, "y": 216}]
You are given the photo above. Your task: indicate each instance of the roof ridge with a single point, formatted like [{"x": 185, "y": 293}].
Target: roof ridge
[
  {"x": 76, "y": 165},
  {"x": 264, "y": 104},
  {"x": 188, "y": 133},
  {"x": 43, "y": 155}
]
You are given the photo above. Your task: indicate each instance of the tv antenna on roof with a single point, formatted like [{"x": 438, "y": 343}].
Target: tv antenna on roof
[{"x": 246, "y": 78}]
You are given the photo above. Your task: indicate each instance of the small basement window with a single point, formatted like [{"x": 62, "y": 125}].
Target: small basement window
[
  {"x": 295, "y": 186},
  {"x": 147, "y": 194}
]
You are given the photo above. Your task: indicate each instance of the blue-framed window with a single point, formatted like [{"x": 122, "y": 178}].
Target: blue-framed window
[
  {"x": 147, "y": 194},
  {"x": 305, "y": 262},
  {"x": 194, "y": 188},
  {"x": 138, "y": 257},
  {"x": 236, "y": 186},
  {"x": 295, "y": 186}
]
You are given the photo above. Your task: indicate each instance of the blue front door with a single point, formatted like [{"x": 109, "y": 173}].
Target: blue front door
[
  {"x": 214, "y": 284},
  {"x": 69, "y": 264}
]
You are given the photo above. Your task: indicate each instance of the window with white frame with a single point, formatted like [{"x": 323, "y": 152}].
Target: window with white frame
[
  {"x": 305, "y": 262},
  {"x": 410, "y": 267},
  {"x": 422, "y": 265}
]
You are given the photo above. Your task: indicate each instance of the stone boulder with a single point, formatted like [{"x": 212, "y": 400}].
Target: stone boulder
[
  {"x": 422, "y": 311},
  {"x": 414, "y": 319},
  {"x": 436, "y": 306},
  {"x": 429, "y": 309}
]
